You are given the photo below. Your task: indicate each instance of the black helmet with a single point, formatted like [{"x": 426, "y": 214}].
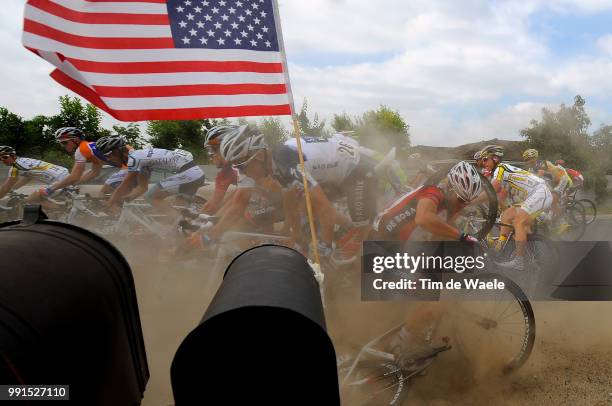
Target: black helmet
[
  {"x": 6, "y": 150},
  {"x": 106, "y": 145}
]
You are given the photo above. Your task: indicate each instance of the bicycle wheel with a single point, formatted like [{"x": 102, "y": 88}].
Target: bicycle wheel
[
  {"x": 498, "y": 330},
  {"x": 376, "y": 383},
  {"x": 572, "y": 223},
  {"x": 590, "y": 210}
]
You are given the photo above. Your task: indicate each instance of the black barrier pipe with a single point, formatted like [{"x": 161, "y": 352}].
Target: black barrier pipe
[
  {"x": 68, "y": 313},
  {"x": 263, "y": 338}
]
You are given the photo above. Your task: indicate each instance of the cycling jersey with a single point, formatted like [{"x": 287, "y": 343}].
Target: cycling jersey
[
  {"x": 518, "y": 182},
  {"x": 159, "y": 160},
  {"x": 38, "y": 170},
  {"x": 86, "y": 152},
  {"x": 559, "y": 178},
  {"x": 577, "y": 178},
  {"x": 326, "y": 160},
  {"x": 525, "y": 189},
  {"x": 225, "y": 177},
  {"x": 397, "y": 222}
]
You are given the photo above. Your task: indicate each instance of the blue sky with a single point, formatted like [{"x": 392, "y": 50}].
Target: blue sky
[{"x": 456, "y": 71}]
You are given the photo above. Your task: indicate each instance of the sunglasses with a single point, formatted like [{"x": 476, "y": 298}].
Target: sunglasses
[{"x": 3, "y": 157}]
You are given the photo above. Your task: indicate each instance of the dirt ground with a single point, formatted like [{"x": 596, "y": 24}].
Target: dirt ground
[{"x": 571, "y": 363}]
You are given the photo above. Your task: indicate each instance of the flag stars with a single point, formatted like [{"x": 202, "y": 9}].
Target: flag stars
[
  {"x": 224, "y": 17},
  {"x": 238, "y": 4},
  {"x": 232, "y": 10},
  {"x": 180, "y": 9},
  {"x": 198, "y": 9},
  {"x": 222, "y": 3},
  {"x": 221, "y": 41},
  {"x": 259, "y": 36},
  {"x": 200, "y": 24},
  {"x": 186, "y": 40},
  {"x": 205, "y": 3},
  {"x": 215, "y": 10},
  {"x": 255, "y": 6},
  {"x": 218, "y": 25},
  {"x": 235, "y": 26},
  {"x": 253, "y": 42},
  {"x": 208, "y": 17},
  {"x": 244, "y": 34},
  {"x": 268, "y": 44},
  {"x": 238, "y": 41},
  {"x": 204, "y": 41},
  {"x": 264, "y": 29},
  {"x": 193, "y": 32},
  {"x": 228, "y": 33},
  {"x": 256, "y": 20},
  {"x": 183, "y": 24},
  {"x": 263, "y": 14},
  {"x": 187, "y": 3},
  {"x": 250, "y": 27},
  {"x": 210, "y": 33},
  {"x": 248, "y": 12},
  {"x": 190, "y": 17},
  {"x": 241, "y": 18}
]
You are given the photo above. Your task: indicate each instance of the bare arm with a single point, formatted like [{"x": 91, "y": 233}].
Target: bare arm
[
  {"x": 7, "y": 186},
  {"x": 141, "y": 187},
  {"x": 427, "y": 218},
  {"x": 73, "y": 178},
  {"x": 233, "y": 213},
  {"x": 326, "y": 213},
  {"x": 94, "y": 172},
  {"x": 122, "y": 189}
]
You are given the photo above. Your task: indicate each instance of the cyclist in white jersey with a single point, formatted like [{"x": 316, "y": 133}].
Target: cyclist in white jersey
[
  {"x": 186, "y": 179},
  {"x": 527, "y": 194},
  {"x": 23, "y": 170},
  {"x": 333, "y": 165}
]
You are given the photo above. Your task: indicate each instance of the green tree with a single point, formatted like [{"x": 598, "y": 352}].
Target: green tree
[
  {"x": 382, "y": 129},
  {"x": 131, "y": 133},
  {"x": 184, "y": 134},
  {"x": 564, "y": 134},
  {"x": 273, "y": 130},
  {"x": 342, "y": 122},
  {"x": 314, "y": 127},
  {"x": 73, "y": 113}
]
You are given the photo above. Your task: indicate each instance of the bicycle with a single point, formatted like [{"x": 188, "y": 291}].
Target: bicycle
[
  {"x": 12, "y": 209},
  {"x": 379, "y": 375},
  {"x": 590, "y": 208}
]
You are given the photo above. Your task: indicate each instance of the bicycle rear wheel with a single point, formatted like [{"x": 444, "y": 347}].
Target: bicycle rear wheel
[
  {"x": 573, "y": 223},
  {"x": 376, "y": 383},
  {"x": 497, "y": 330}
]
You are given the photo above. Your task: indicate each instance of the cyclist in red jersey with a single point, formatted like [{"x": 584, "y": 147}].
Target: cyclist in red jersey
[
  {"x": 577, "y": 178},
  {"x": 422, "y": 207},
  {"x": 226, "y": 176}
]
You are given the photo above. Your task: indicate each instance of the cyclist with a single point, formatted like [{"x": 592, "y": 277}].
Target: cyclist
[
  {"x": 23, "y": 170},
  {"x": 333, "y": 163},
  {"x": 575, "y": 176},
  {"x": 186, "y": 178},
  {"x": 556, "y": 175},
  {"x": 73, "y": 141},
  {"x": 433, "y": 209},
  {"x": 226, "y": 176},
  {"x": 528, "y": 195},
  {"x": 422, "y": 207}
]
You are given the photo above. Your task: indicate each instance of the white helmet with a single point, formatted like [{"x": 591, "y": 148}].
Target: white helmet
[
  {"x": 465, "y": 181},
  {"x": 240, "y": 144}
]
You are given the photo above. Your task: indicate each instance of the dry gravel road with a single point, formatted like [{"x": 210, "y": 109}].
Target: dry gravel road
[{"x": 571, "y": 363}]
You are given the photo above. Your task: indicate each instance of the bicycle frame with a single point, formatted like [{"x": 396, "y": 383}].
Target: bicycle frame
[{"x": 133, "y": 212}]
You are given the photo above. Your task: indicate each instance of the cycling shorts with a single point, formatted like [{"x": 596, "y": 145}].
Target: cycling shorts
[
  {"x": 540, "y": 200},
  {"x": 116, "y": 178},
  {"x": 184, "y": 183},
  {"x": 361, "y": 192}
]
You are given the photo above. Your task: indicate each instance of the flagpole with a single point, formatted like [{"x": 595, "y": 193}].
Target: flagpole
[{"x": 296, "y": 130}]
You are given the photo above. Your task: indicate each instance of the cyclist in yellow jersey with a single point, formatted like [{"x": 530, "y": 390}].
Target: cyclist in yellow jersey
[
  {"x": 23, "y": 170},
  {"x": 560, "y": 181},
  {"x": 527, "y": 194}
]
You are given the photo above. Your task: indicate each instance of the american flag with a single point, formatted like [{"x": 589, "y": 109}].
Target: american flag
[{"x": 164, "y": 59}]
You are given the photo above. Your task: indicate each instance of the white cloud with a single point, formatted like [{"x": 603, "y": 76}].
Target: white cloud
[{"x": 432, "y": 60}]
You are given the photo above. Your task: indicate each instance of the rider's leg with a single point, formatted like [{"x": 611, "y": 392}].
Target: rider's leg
[
  {"x": 522, "y": 226},
  {"x": 507, "y": 217}
]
